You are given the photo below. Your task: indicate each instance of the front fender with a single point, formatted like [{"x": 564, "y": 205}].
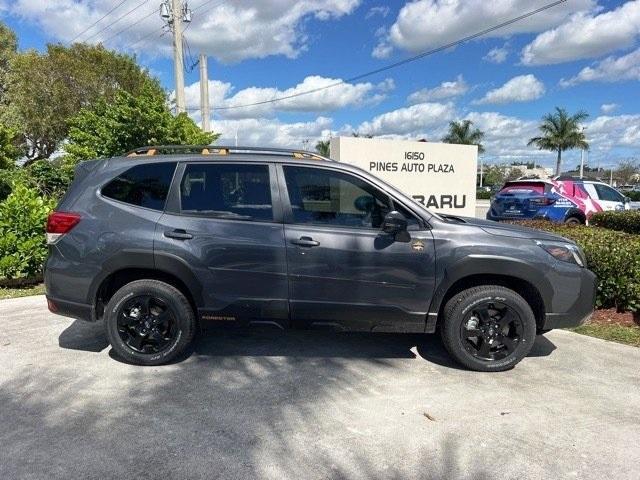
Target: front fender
[{"x": 479, "y": 264}]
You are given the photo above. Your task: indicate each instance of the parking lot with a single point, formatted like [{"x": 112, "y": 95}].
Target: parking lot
[{"x": 260, "y": 404}]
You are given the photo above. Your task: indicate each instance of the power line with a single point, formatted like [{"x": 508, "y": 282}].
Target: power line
[
  {"x": 129, "y": 12},
  {"x": 401, "y": 62},
  {"x": 130, "y": 26},
  {"x": 140, "y": 40},
  {"x": 97, "y": 21}
]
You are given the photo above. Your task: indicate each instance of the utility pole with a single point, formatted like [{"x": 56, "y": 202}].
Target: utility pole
[
  {"x": 204, "y": 92},
  {"x": 174, "y": 12}
]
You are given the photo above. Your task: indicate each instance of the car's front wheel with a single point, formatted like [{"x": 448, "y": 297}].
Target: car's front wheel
[
  {"x": 488, "y": 328},
  {"x": 149, "y": 322}
]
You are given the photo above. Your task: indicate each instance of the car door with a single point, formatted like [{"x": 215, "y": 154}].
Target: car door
[
  {"x": 223, "y": 223},
  {"x": 609, "y": 198},
  {"x": 343, "y": 271}
]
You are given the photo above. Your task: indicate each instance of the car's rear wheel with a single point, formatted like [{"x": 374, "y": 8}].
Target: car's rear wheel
[
  {"x": 573, "y": 221},
  {"x": 488, "y": 328},
  {"x": 149, "y": 322}
]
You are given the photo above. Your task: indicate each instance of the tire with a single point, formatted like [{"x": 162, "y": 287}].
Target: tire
[
  {"x": 153, "y": 331},
  {"x": 573, "y": 221},
  {"x": 506, "y": 345}
]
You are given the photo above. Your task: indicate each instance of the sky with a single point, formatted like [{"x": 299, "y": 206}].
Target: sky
[{"x": 579, "y": 55}]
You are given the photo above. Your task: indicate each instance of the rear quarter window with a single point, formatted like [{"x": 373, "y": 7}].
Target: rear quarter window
[{"x": 143, "y": 185}]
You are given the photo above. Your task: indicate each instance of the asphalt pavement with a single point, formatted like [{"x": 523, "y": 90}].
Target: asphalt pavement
[{"x": 309, "y": 405}]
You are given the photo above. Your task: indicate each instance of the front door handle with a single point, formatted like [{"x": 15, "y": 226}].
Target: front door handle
[
  {"x": 178, "y": 234},
  {"x": 305, "y": 242}
]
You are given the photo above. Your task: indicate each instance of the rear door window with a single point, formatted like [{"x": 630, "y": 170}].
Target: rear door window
[
  {"x": 231, "y": 191},
  {"x": 143, "y": 185}
]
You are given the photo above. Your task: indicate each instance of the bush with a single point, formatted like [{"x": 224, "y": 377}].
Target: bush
[
  {"x": 482, "y": 195},
  {"x": 634, "y": 196},
  {"x": 624, "y": 221},
  {"x": 613, "y": 256},
  {"x": 23, "y": 216},
  {"x": 48, "y": 178}
]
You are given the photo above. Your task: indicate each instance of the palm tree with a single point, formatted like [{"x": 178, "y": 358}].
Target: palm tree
[
  {"x": 462, "y": 133},
  {"x": 561, "y": 131},
  {"x": 322, "y": 147}
]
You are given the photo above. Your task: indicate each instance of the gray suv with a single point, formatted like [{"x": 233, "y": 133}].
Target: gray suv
[{"x": 165, "y": 238}]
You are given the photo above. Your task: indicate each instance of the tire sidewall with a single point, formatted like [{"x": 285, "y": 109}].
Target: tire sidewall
[
  {"x": 461, "y": 307},
  {"x": 183, "y": 315}
]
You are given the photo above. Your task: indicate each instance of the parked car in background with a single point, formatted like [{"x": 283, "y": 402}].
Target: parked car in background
[
  {"x": 563, "y": 200},
  {"x": 153, "y": 245}
]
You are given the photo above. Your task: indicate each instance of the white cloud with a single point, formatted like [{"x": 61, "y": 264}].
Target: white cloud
[
  {"x": 229, "y": 31},
  {"x": 586, "y": 35},
  {"x": 425, "y": 24},
  {"x": 337, "y": 97},
  {"x": 382, "y": 10},
  {"x": 607, "y": 132},
  {"x": 522, "y": 88},
  {"x": 444, "y": 90},
  {"x": 506, "y": 137},
  {"x": 609, "y": 107},
  {"x": 610, "y": 69},
  {"x": 497, "y": 54},
  {"x": 382, "y": 50},
  {"x": 414, "y": 120},
  {"x": 272, "y": 133}
]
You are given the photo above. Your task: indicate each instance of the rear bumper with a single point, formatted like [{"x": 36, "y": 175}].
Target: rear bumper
[
  {"x": 66, "y": 308},
  {"x": 582, "y": 308}
]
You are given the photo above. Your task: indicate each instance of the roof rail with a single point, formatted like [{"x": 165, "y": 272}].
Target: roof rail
[{"x": 221, "y": 150}]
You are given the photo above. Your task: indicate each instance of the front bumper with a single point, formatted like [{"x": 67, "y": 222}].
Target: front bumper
[{"x": 582, "y": 308}]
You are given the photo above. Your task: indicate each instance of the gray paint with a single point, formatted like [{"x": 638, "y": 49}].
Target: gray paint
[{"x": 354, "y": 279}]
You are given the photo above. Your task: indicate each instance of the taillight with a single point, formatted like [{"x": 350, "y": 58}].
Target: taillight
[
  {"x": 542, "y": 201},
  {"x": 60, "y": 223}
]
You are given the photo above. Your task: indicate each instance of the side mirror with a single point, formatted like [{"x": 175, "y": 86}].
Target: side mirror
[
  {"x": 627, "y": 200},
  {"x": 394, "y": 223}
]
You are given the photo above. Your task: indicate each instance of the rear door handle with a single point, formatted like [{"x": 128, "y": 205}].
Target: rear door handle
[
  {"x": 178, "y": 234},
  {"x": 305, "y": 242}
]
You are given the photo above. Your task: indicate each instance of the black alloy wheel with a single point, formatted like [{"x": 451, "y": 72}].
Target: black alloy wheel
[
  {"x": 149, "y": 322},
  {"x": 146, "y": 324},
  {"x": 488, "y": 328},
  {"x": 491, "y": 331}
]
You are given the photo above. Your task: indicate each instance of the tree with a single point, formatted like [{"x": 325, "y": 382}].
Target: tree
[
  {"x": 462, "y": 133},
  {"x": 322, "y": 147},
  {"x": 493, "y": 175},
  {"x": 113, "y": 127},
  {"x": 44, "y": 91},
  {"x": 560, "y": 132},
  {"x": 513, "y": 174},
  {"x": 9, "y": 150},
  {"x": 627, "y": 171},
  {"x": 8, "y": 48}
]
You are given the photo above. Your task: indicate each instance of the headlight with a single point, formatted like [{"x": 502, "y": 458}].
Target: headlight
[{"x": 565, "y": 252}]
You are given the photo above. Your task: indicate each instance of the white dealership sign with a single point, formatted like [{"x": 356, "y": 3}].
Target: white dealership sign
[{"x": 440, "y": 176}]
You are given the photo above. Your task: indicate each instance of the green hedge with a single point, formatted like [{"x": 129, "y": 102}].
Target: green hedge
[
  {"x": 23, "y": 215},
  {"x": 481, "y": 195},
  {"x": 624, "y": 221},
  {"x": 634, "y": 196},
  {"x": 612, "y": 255}
]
